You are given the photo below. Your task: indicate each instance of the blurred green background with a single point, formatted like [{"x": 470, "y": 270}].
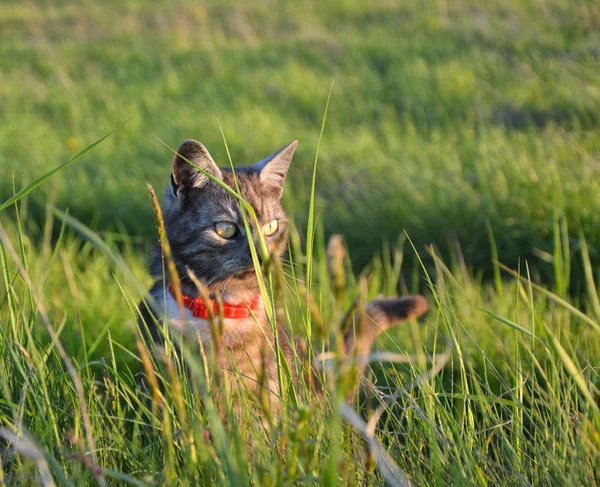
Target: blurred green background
[{"x": 445, "y": 116}]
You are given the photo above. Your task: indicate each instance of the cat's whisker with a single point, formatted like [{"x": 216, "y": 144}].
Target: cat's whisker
[
  {"x": 294, "y": 265},
  {"x": 293, "y": 277}
]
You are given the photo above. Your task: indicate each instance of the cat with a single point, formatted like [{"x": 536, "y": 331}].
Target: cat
[{"x": 208, "y": 240}]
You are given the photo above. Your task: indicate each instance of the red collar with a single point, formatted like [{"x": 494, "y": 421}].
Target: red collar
[{"x": 200, "y": 309}]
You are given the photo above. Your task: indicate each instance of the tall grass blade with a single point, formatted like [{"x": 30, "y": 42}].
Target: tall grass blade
[
  {"x": 30, "y": 187},
  {"x": 310, "y": 226},
  {"x": 557, "y": 299},
  {"x": 505, "y": 321}
]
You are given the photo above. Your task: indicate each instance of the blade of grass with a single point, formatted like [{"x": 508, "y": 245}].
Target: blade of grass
[
  {"x": 29, "y": 188},
  {"x": 505, "y": 321},
  {"x": 101, "y": 245},
  {"x": 575, "y": 373},
  {"x": 310, "y": 226},
  {"x": 589, "y": 275},
  {"x": 494, "y": 250},
  {"x": 557, "y": 299}
]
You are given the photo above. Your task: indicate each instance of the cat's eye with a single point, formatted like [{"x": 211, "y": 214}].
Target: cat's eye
[
  {"x": 225, "y": 229},
  {"x": 270, "y": 228}
]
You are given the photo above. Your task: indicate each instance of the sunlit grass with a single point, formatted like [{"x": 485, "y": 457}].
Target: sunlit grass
[
  {"x": 517, "y": 403},
  {"x": 471, "y": 126},
  {"x": 443, "y": 118}
]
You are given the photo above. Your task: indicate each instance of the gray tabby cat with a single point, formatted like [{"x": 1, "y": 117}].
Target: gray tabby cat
[{"x": 206, "y": 232}]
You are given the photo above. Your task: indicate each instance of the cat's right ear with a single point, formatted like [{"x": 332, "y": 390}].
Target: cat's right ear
[{"x": 187, "y": 176}]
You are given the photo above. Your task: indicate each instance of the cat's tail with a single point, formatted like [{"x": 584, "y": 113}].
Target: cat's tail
[
  {"x": 378, "y": 315},
  {"x": 363, "y": 325},
  {"x": 365, "y": 321},
  {"x": 360, "y": 327}
]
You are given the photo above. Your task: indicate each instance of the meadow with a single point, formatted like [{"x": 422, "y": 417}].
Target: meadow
[{"x": 459, "y": 159}]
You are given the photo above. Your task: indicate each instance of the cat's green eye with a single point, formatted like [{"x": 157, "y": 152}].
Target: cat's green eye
[
  {"x": 270, "y": 228},
  {"x": 225, "y": 229}
]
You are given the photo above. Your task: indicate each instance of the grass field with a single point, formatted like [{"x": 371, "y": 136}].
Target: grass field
[{"x": 474, "y": 127}]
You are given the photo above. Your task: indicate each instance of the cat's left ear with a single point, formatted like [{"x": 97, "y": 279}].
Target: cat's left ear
[{"x": 274, "y": 168}]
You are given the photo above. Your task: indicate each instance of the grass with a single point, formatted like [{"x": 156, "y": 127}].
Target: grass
[
  {"x": 517, "y": 402},
  {"x": 472, "y": 127},
  {"x": 445, "y": 116}
]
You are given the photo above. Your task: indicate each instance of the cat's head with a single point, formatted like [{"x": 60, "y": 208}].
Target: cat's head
[{"x": 204, "y": 222}]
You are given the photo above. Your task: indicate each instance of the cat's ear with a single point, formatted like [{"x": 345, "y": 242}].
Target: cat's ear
[
  {"x": 187, "y": 176},
  {"x": 274, "y": 168}
]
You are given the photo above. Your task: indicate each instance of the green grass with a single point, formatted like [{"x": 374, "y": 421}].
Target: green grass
[
  {"x": 474, "y": 127},
  {"x": 445, "y": 115},
  {"x": 515, "y": 404}
]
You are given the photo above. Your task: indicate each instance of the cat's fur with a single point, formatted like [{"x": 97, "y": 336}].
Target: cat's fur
[{"x": 192, "y": 205}]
